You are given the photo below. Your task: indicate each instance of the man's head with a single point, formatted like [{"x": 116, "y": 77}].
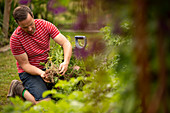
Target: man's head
[{"x": 25, "y": 18}]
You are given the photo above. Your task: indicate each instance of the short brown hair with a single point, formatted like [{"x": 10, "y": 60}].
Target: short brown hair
[{"x": 20, "y": 13}]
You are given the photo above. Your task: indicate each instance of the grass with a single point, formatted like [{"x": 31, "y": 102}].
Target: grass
[{"x": 8, "y": 72}]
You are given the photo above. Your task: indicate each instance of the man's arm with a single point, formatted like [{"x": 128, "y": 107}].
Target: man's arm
[
  {"x": 26, "y": 66},
  {"x": 61, "y": 40}
]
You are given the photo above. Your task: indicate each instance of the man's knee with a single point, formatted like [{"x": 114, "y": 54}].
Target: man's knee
[{"x": 46, "y": 99}]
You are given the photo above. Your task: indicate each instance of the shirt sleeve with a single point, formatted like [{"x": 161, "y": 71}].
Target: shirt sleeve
[
  {"x": 52, "y": 29},
  {"x": 16, "y": 46}
]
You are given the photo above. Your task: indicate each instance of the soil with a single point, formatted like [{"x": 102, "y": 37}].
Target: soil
[{"x": 51, "y": 74}]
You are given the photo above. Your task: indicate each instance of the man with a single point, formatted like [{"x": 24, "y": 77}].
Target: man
[{"x": 30, "y": 44}]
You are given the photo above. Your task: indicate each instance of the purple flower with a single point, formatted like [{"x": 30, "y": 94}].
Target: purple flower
[
  {"x": 90, "y": 3},
  {"x": 80, "y": 53},
  {"x": 58, "y": 10},
  {"x": 55, "y": 10},
  {"x": 50, "y": 5},
  {"x": 96, "y": 46},
  {"x": 81, "y": 23},
  {"x": 24, "y": 2}
]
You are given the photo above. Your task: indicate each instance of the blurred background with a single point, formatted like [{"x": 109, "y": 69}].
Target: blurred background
[{"x": 137, "y": 30}]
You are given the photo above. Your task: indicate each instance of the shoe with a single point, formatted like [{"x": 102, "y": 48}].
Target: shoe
[{"x": 16, "y": 88}]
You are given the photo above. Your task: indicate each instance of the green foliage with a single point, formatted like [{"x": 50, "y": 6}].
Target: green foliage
[
  {"x": 56, "y": 57},
  {"x": 107, "y": 85},
  {"x": 64, "y": 2},
  {"x": 18, "y": 106},
  {"x": 3, "y": 41},
  {"x": 39, "y": 9}
]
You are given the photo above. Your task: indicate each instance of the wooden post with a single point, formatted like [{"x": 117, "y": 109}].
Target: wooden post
[
  {"x": 141, "y": 52},
  {"x": 6, "y": 17}
]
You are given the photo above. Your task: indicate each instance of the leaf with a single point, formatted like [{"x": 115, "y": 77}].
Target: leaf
[
  {"x": 59, "y": 95},
  {"x": 64, "y": 2},
  {"x": 46, "y": 93},
  {"x": 62, "y": 84},
  {"x": 42, "y": 63},
  {"x": 76, "y": 104}
]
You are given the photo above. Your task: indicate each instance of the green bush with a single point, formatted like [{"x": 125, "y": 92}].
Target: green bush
[{"x": 104, "y": 83}]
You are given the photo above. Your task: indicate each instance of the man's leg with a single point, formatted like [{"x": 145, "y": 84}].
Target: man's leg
[
  {"x": 35, "y": 85},
  {"x": 29, "y": 97},
  {"x": 17, "y": 89}
]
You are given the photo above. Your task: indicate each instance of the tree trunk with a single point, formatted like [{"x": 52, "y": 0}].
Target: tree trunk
[
  {"x": 141, "y": 52},
  {"x": 6, "y": 17}
]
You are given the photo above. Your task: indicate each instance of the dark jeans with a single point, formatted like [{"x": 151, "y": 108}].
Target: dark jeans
[{"x": 34, "y": 84}]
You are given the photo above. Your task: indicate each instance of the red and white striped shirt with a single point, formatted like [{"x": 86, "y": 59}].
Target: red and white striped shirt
[{"x": 36, "y": 46}]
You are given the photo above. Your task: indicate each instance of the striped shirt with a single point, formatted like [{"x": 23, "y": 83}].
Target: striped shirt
[{"x": 36, "y": 46}]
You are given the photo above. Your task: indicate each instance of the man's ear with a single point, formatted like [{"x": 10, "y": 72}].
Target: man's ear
[
  {"x": 16, "y": 22},
  {"x": 32, "y": 15}
]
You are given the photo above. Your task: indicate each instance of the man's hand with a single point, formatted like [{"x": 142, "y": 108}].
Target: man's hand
[
  {"x": 63, "y": 68},
  {"x": 62, "y": 41},
  {"x": 44, "y": 76}
]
